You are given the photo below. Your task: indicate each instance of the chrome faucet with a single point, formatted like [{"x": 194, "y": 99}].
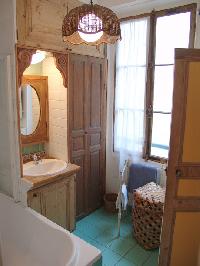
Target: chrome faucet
[{"x": 36, "y": 158}]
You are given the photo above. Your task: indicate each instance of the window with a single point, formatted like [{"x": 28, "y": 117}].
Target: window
[{"x": 169, "y": 29}]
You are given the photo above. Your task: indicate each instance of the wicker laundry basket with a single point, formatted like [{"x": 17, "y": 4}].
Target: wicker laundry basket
[{"x": 147, "y": 214}]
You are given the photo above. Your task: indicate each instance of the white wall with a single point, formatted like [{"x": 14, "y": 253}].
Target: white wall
[
  {"x": 57, "y": 145},
  {"x": 9, "y": 148},
  {"x": 112, "y": 171}
]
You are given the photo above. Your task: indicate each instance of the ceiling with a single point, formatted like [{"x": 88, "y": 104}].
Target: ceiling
[
  {"x": 118, "y": 4},
  {"x": 111, "y": 3},
  {"x": 124, "y": 8}
]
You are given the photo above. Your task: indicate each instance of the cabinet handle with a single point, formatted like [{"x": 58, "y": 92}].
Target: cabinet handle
[{"x": 34, "y": 195}]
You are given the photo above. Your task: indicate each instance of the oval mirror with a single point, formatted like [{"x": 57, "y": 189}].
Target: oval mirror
[{"x": 29, "y": 109}]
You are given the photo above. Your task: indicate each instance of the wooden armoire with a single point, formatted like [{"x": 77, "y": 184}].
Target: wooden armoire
[{"x": 86, "y": 128}]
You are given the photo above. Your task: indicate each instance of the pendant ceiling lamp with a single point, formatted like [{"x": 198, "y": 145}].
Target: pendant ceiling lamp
[{"x": 91, "y": 24}]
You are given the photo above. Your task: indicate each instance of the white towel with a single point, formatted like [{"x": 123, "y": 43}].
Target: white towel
[{"x": 124, "y": 198}]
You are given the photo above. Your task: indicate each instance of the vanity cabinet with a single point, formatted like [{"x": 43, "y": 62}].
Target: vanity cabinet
[{"x": 56, "y": 201}]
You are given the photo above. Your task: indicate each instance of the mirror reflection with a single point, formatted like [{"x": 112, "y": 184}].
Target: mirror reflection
[{"x": 29, "y": 109}]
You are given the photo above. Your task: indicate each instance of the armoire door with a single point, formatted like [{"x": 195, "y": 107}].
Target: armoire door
[
  {"x": 86, "y": 123},
  {"x": 95, "y": 131},
  {"x": 180, "y": 240}
]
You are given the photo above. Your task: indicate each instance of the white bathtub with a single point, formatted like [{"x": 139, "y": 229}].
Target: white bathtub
[{"x": 29, "y": 239}]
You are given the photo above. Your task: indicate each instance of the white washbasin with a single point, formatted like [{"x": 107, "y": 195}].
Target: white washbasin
[{"x": 45, "y": 167}]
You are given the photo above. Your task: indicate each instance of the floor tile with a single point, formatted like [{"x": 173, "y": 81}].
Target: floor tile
[
  {"x": 82, "y": 235},
  {"x": 124, "y": 262},
  {"x": 153, "y": 259},
  {"x": 137, "y": 255},
  {"x": 127, "y": 235},
  {"x": 122, "y": 246},
  {"x": 110, "y": 258},
  {"x": 100, "y": 230},
  {"x": 90, "y": 230},
  {"x": 98, "y": 221},
  {"x": 97, "y": 245},
  {"x": 106, "y": 237}
]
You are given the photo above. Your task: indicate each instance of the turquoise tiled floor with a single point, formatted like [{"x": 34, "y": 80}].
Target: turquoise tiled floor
[{"x": 100, "y": 230}]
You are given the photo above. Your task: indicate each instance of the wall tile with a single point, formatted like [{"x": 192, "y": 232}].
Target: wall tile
[{"x": 57, "y": 145}]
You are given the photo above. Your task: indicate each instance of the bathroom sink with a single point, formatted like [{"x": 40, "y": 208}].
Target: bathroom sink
[{"x": 45, "y": 167}]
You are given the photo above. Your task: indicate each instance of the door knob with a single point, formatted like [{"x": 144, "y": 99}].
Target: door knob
[{"x": 178, "y": 173}]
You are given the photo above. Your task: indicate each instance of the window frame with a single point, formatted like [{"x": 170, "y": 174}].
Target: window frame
[{"x": 151, "y": 68}]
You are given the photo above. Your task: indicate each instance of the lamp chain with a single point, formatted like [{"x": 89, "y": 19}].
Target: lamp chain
[{"x": 91, "y": 2}]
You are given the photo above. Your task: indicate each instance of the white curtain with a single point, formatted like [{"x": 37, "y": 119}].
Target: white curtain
[{"x": 131, "y": 61}]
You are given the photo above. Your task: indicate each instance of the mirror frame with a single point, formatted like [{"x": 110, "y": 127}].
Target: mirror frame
[{"x": 40, "y": 134}]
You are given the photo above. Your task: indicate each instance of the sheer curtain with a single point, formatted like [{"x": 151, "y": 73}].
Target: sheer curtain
[{"x": 131, "y": 66}]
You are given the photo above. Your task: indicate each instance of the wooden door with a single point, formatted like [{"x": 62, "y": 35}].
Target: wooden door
[
  {"x": 76, "y": 126},
  {"x": 86, "y": 110},
  {"x": 95, "y": 131},
  {"x": 180, "y": 240}
]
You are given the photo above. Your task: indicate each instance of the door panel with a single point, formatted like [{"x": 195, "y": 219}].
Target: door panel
[
  {"x": 94, "y": 184},
  {"x": 94, "y": 129},
  {"x": 81, "y": 189},
  {"x": 189, "y": 239},
  {"x": 95, "y": 94},
  {"x": 188, "y": 188},
  {"x": 191, "y": 151},
  {"x": 86, "y": 101},
  {"x": 180, "y": 240},
  {"x": 76, "y": 126}
]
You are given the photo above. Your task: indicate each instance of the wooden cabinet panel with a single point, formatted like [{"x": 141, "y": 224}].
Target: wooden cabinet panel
[
  {"x": 81, "y": 187},
  {"x": 56, "y": 201},
  {"x": 95, "y": 94},
  {"x": 39, "y": 24},
  {"x": 94, "y": 181},
  {"x": 63, "y": 204},
  {"x": 34, "y": 201},
  {"x": 86, "y": 103},
  {"x": 49, "y": 202},
  {"x": 95, "y": 132}
]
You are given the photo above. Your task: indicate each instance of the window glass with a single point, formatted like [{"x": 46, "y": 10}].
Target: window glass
[
  {"x": 163, "y": 88},
  {"x": 171, "y": 32},
  {"x": 160, "y": 135}
]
